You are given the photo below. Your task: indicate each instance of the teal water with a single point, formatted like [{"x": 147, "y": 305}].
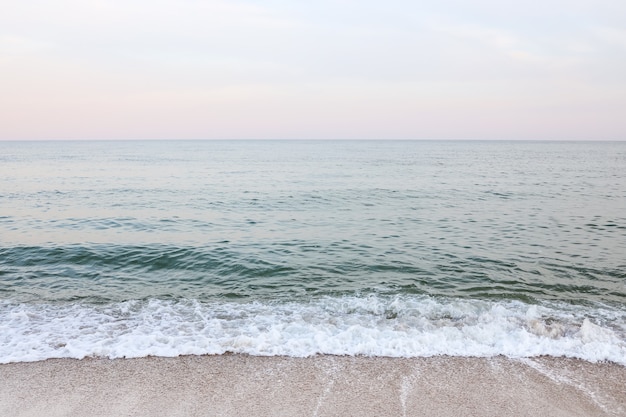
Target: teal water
[{"x": 267, "y": 235}]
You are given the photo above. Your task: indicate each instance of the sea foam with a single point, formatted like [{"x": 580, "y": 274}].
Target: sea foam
[{"x": 399, "y": 326}]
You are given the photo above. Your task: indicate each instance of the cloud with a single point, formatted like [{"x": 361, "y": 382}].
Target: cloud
[
  {"x": 14, "y": 45},
  {"x": 490, "y": 41},
  {"x": 217, "y": 68},
  {"x": 496, "y": 38},
  {"x": 611, "y": 35}
]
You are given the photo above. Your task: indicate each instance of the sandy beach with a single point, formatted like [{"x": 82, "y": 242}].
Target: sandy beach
[{"x": 236, "y": 385}]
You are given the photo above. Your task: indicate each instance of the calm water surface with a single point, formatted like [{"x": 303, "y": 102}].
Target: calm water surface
[{"x": 387, "y": 248}]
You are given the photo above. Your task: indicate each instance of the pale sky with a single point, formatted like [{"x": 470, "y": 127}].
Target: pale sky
[{"x": 343, "y": 69}]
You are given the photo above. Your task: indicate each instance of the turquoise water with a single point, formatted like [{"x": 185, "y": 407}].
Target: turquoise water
[{"x": 394, "y": 248}]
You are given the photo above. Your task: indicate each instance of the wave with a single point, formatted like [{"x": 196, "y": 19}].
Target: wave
[
  {"x": 108, "y": 273},
  {"x": 374, "y": 325}
]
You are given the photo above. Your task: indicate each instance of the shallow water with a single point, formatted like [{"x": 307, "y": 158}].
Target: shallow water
[{"x": 386, "y": 248}]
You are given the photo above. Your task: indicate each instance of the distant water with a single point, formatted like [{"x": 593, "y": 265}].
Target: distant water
[{"x": 383, "y": 248}]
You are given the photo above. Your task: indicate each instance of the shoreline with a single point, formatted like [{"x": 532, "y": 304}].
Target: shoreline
[{"x": 235, "y": 384}]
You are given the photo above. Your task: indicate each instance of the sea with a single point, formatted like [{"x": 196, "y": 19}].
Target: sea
[{"x": 126, "y": 249}]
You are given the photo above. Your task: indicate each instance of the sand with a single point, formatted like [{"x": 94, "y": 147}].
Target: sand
[{"x": 240, "y": 385}]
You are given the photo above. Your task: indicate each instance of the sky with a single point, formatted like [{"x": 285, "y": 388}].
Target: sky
[{"x": 342, "y": 69}]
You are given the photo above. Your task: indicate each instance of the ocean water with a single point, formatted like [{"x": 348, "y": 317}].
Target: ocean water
[{"x": 380, "y": 248}]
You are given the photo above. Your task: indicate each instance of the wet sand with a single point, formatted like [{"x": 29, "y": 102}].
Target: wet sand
[{"x": 240, "y": 385}]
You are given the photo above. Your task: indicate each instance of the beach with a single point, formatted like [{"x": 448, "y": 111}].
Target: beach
[
  {"x": 325, "y": 385},
  {"x": 312, "y": 278}
]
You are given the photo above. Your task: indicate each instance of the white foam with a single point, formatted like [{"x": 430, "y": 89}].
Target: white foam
[{"x": 402, "y": 326}]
